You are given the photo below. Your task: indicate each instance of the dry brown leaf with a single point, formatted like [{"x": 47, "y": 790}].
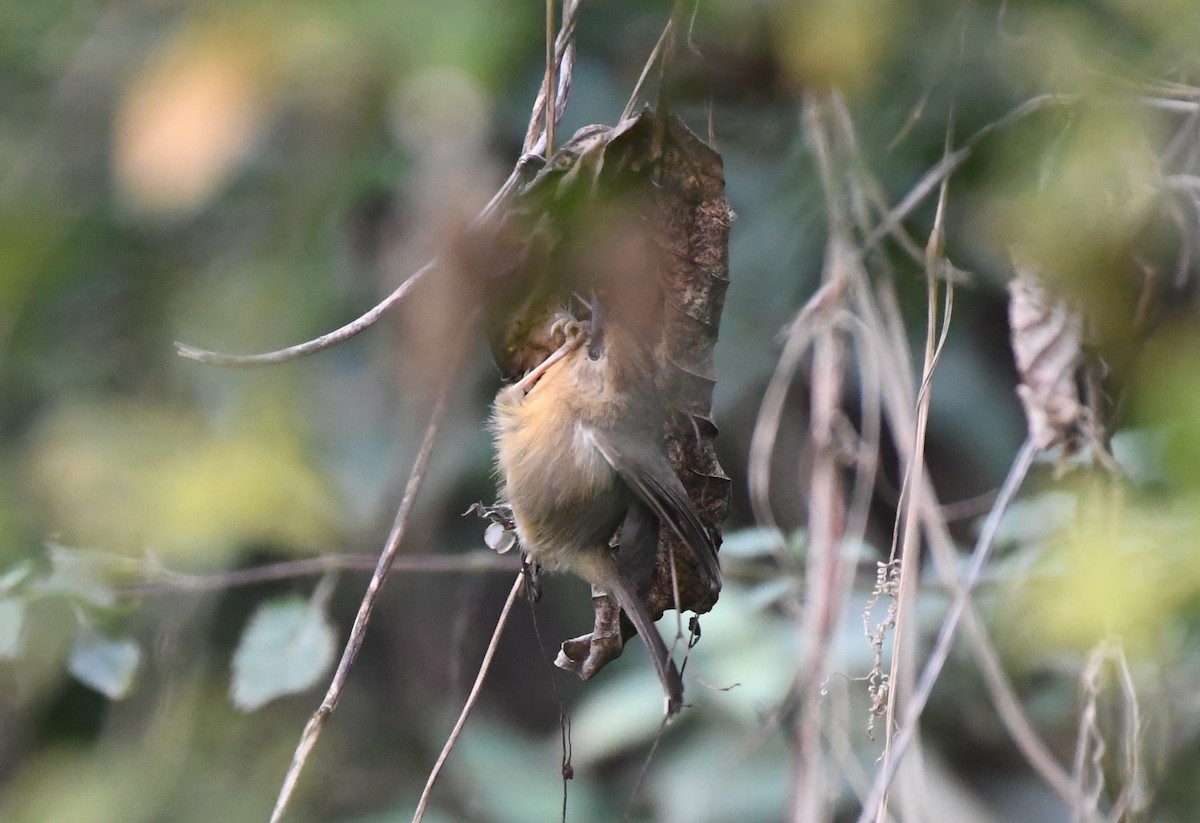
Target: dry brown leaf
[{"x": 1047, "y": 339}]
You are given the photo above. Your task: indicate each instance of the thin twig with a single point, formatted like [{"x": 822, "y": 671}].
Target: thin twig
[
  {"x": 1134, "y": 794},
  {"x": 866, "y": 456},
  {"x": 513, "y": 594},
  {"x": 165, "y": 580},
  {"x": 1091, "y": 747},
  {"x": 934, "y": 176},
  {"x": 941, "y": 650},
  {"x": 968, "y": 508},
  {"x": 566, "y": 770},
  {"x": 1004, "y": 698},
  {"x": 838, "y": 735},
  {"x": 888, "y": 338},
  {"x": 800, "y": 335},
  {"x": 312, "y": 730},
  {"x": 308, "y": 347},
  {"x": 1089, "y": 742},
  {"x": 535, "y": 142},
  {"x": 827, "y": 573},
  {"x": 363, "y": 322},
  {"x": 1181, "y": 106},
  {"x": 1000, "y": 689},
  {"x": 644, "y": 771},
  {"x": 867, "y": 189},
  {"x": 667, "y": 32}
]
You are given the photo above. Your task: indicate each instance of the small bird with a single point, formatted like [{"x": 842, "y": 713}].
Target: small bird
[{"x": 580, "y": 449}]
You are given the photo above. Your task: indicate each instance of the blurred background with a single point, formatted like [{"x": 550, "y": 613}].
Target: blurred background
[{"x": 243, "y": 176}]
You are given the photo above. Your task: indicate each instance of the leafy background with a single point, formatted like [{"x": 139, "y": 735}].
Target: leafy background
[{"x": 247, "y": 175}]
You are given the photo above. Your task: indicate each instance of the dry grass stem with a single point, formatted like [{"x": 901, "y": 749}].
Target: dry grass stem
[
  {"x": 903, "y": 668},
  {"x": 941, "y": 650},
  {"x": 1091, "y": 746},
  {"x": 550, "y": 83},
  {"x": 829, "y": 567},
  {"x": 556, "y": 83}
]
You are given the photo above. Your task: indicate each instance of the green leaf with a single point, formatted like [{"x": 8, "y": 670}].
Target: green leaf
[
  {"x": 14, "y": 576},
  {"x": 85, "y": 575},
  {"x": 106, "y": 664},
  {"x": 12, "y": 615},
  {"x": 287, "y": 645}
]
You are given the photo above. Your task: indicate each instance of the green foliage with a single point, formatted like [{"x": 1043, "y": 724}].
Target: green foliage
[
  {"x": 12, "y": 617},
  {"x": 247, "y": 175},
  {"x": 131, "y": 475},
  {"x": 287, "y": 646},
  {"x": 83, "y": 584},
  {"x": 83, "y": 576},
  {"x": 105, "y": 664}
]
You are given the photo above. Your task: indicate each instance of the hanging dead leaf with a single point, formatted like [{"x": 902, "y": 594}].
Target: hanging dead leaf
[
  {"x": 1047, "y": 340},
  {"x": 636, "y": 212}
]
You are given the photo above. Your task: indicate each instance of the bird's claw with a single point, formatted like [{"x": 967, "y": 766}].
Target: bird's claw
[{"x": 569, "y": 331}]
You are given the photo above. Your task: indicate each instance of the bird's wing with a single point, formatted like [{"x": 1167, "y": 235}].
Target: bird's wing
[{"x": 656, "y": 484}]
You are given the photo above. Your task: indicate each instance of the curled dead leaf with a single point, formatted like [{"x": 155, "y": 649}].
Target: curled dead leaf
[{"x": 1047, "y": 341}]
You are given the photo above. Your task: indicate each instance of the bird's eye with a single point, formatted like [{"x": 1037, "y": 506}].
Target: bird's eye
[{"x": 594, "y": 350}]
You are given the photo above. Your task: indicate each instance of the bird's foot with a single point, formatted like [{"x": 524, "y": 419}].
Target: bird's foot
[{"x": 589, "y": 653}]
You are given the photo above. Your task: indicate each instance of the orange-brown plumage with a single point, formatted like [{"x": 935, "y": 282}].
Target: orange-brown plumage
[{"x": 581, "y": 454}]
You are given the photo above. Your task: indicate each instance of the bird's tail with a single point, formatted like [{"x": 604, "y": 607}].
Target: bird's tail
[{"x": 620, "y": 587}]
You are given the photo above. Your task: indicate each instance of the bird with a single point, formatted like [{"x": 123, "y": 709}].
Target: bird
[{"x": 580, "y": 452}]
